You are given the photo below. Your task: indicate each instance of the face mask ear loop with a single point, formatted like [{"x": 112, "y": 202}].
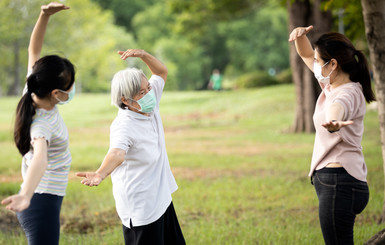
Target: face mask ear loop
[{"x": 134, "y": 106}]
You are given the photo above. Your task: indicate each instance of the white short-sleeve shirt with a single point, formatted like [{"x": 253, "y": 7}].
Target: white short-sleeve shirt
[{"x": 143, "y": 183}]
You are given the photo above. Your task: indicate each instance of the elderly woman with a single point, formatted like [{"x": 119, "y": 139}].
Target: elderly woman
[{"x": 137, "y": 159}]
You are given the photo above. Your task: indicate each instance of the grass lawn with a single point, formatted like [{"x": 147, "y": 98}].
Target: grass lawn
[{"x": 242, "y": 176}]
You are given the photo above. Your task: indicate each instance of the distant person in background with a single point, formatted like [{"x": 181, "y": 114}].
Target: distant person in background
[
  {"x": 338, "y": 168},
  {"x": 137, "y": 159},
  {"x": 215, "y": 82},
  {"x": 42, "y": 139}
]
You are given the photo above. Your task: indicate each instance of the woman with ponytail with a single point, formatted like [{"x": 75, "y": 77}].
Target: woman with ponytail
[
  {"x": 338, "y": 170},
  {"x": 42, "y": 138}
]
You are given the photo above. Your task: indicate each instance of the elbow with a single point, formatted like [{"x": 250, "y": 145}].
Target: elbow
[
  {"x": 120, "y": 159},
  {"x": 33, "y": 52},
  {"x": 118, "y": 156},
  {"x": 164, "y": 73}
]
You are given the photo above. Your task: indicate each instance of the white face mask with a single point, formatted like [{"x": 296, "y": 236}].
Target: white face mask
[{"x": 317, "y": 69}]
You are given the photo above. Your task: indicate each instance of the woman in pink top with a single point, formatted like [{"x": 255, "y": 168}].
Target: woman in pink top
[{"x": 338, "y": 168}]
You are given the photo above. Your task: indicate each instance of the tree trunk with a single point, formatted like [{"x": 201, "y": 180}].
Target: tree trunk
[
  {"x": 302, "y": 13},
  {"x": 374, "y": 18},
  {"x": 377, "y": 239},
  {"x": 15, "y": 86}
]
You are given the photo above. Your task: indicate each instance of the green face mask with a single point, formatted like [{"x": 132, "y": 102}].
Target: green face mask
[
  {"x": 147, "y": 102},
  {"x": 71, "y": 95}
]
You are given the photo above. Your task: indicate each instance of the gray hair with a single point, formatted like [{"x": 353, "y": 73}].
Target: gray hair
[{"x": 125, "y": 83}]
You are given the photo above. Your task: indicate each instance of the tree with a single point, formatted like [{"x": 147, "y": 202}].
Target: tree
[
  {"x": 303, "y": 13},
  {"x": 124, "y": 10},
  {"x": 90, "y": 43},
  {"x": 14, "y": 36},
  {"x": 374, "y": 18},
  {"x": 251, "y": 46}
]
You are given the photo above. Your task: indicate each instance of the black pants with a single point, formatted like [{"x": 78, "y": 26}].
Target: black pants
[
  {"x": 341, "y": 197},
  {"x": 164, "y": 231},
  {"x": 41, "y": 220}
]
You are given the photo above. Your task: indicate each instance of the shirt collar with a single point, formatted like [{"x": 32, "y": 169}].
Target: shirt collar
[
  {"x": 41, "y": 111},
  {"x": 132, "y": 114}
]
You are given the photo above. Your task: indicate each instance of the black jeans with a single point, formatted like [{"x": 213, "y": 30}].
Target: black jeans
[
  {"x": 41, "y": 220},
  {"x": 341, "y": 197}
]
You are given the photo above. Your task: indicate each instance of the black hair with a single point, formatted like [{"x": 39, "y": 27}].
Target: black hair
[
  {"x": 48, "y": 73},
  {"x": 337, "y": 46}
]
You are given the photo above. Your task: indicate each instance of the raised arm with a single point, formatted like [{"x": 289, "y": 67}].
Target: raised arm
[
  {"x": 38, "y": 33},
  {"x": 113, "y": 159},
  {"x": 303, "y": 45},
  {"x": 155, "y": 65}
]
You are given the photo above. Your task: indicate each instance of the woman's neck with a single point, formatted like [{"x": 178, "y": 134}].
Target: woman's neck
[
  {"x": 340, "y": 79},
  {"x": 45, "y": 103}
]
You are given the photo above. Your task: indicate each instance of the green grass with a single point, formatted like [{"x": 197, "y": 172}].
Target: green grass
[{"x": 242, "y": 176}]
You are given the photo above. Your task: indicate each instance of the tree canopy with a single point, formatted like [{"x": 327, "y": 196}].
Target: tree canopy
[{"x": 191, "y": 37}]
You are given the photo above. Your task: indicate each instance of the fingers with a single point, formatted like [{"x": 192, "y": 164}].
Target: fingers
[
  {"x": 57, "y": 5},
  {"x": 90, "y": 182},
  {"x": 6, "y": 201},
  {"x": 81, "y": 174},
  {"x": 130, "y": 53},
  {"x": 11, "y": 205},
  {"x": 52, "y": 8},
  {"x": 334, "y": 126},
  {"x": 299, "y": 32},
  {"x": 309, "y": 28},
  {"x": 89, "y": 179}
]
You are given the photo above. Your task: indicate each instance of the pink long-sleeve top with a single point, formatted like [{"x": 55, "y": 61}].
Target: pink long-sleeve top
[{"x": 343, "y": 146}]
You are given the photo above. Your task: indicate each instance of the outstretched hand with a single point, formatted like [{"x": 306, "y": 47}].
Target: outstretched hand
[
  {"x": 334, "y": 126},
  {"x": 299, "y": 32},
  {"x": 131, "y": 53},
  {"x": 53, "y": 8},
  {"x": 90, "y": 178},
  {"x": 16, "y": 203}
]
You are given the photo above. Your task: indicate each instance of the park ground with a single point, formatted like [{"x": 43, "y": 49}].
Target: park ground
[{"x": 242, "y": 175}]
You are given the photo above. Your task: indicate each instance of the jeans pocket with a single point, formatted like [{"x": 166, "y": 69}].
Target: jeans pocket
[
  {"x": 328, "y": 180},
  {"x": 360, "y": 197}
]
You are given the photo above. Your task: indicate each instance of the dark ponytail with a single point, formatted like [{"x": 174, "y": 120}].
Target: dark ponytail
[
  {"x": 49, "y": 73},
  {"x": 24, "y": 114},
  {"x": 363, "y": 74},
  {"x": 351, "y": 61}
]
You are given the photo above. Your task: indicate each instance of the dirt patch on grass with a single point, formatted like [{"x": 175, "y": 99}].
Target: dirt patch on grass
[
  {"x": 9, "y": 223},
  {"x": 84, "y": 222}
]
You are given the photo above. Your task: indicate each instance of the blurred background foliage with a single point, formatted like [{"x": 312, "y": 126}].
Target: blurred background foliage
[{"x": 245, "y": 39}]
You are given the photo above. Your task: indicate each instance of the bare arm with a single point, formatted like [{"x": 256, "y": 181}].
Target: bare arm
[
  {"x": 112, "y": 160},
  {"x": 303, "y": 45},
  {"x": 334, "y": 116},
  {"x": 335, "y": 112},
  {"x": 38, "y": 33},
  {"x": 155, "y": 65},
  {"x": 35, "y": 172}
]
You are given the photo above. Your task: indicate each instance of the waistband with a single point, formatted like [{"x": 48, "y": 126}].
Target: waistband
[{"x": 332, "y": 171}]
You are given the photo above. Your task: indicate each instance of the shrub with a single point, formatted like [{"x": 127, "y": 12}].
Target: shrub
[
  {"x": 255, "y": 79},
  {"x": 285, "y": 77}
]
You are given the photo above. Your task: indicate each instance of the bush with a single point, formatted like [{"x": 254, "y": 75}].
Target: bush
[
  {"x": 255, "y": 79},
  {"x": 285, "y": 77}
]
